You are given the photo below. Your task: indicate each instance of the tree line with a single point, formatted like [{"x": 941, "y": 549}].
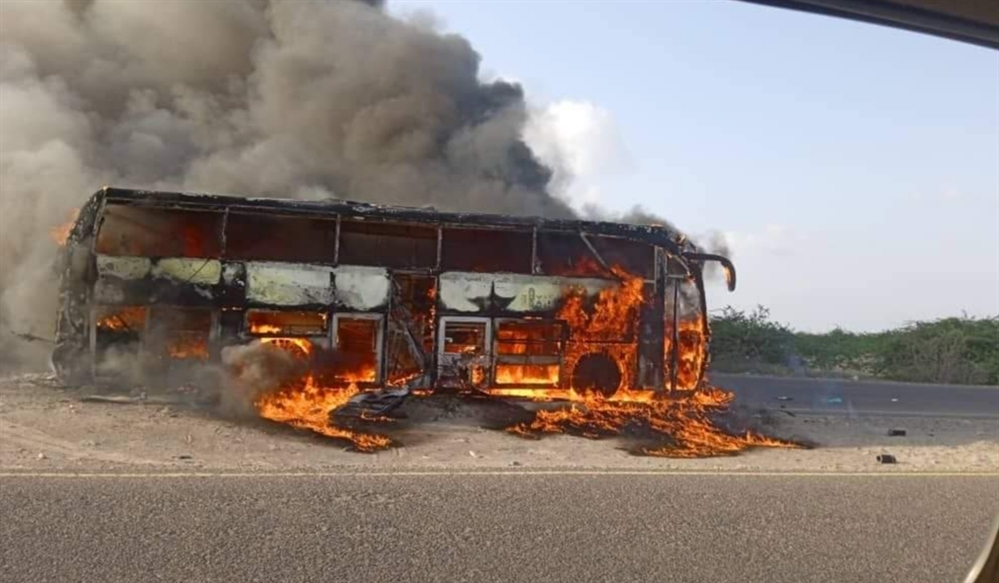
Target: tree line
[{"x": 958, "y": 350}]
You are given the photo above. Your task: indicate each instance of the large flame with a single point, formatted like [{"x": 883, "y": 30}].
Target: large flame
[
  {"x": 533, "y": 356},
  {"x": 692, "y": 354},
  {"x": 527, "y": 374},
  {"x": 614, "y": 315},
  {"x": 309, "y": 407},
  {"x": 305, "y": 404},
  {"x": 680, "y": 427},
  {"x": 680, "y": 423}
]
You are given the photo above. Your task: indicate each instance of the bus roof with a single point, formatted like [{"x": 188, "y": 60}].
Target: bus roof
[{"x": 662, "y": 236}]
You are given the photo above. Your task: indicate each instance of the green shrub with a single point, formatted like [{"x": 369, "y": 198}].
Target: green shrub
[{"x": 951, "y": 350}]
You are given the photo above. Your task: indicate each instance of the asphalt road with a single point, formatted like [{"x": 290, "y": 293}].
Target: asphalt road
[
  {"x": 862, "y": 397},
  {"x": 494, "y": 527}
]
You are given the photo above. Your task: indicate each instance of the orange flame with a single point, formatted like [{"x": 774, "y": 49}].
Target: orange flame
[
  {"x": 286, "y": 323},
  {"x": 131, "y": 319},
  {"x": 310, "y": 407},
  {"x": 527, "y": 374},
  {"x": 614, "y": 315},
  {"x": 60, "y": 233},
  {"x": 304, "y": 404},
  {"x": 679, "y": 423},
  {"x": 608, "y": 328},
  {"x": 683, "y": 426},
  {"x": 264, "y": 329},
  {"x": 692, "y": 354}
]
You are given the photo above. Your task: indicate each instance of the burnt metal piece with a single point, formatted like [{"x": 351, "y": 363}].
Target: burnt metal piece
[
  {"x": 896, "y": 433},
  {"x": 376, "y": 403},
  {"x": 886, "y": 458}
]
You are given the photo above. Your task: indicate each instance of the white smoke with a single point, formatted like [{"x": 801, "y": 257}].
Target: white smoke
[{"x": 583, "y": 144}]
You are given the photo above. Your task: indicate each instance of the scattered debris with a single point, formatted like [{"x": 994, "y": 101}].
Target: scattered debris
[
  {"x": 125, "y": 399},
  {"x": 834, "y": 400},
  {"x": 135, "y": 399},
  {"x": 41, "y": 456},
  {"x": 886, "y": 458},
  {"x": 896, "y": 433},
  {"x": 185, "y": 457},
  {"x": 787, "y": 413},
  {"x": 367, "y": 405},
  {"x": 783, "y": 398},
  {"x": 894, "y": 399}
]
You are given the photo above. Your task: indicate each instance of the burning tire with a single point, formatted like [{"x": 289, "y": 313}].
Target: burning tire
[{"x": 597, "y": 372}]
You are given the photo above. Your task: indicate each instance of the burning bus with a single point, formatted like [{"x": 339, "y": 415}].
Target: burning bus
[{"x": 385, "y": 298}]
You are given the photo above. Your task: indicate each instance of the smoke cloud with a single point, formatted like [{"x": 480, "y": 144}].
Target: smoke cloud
[
  {"x": 303, "y": 99},
  {"x": 250, "y": 97},
  {"x": 251, "y": 370}
]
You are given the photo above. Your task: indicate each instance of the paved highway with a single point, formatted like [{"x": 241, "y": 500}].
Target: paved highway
[
  {"x": 493, "y": 527},
  {"x": 862, "y": 397}
]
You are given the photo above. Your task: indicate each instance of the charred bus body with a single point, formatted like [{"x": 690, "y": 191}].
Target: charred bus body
[{"x": 384, "y": 296}]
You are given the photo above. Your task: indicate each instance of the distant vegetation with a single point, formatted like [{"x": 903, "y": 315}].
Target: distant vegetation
[{"x": 952, "y": 350}]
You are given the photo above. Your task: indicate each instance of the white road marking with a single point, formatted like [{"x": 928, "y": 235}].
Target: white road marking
[{"x": 441, "y": 473}]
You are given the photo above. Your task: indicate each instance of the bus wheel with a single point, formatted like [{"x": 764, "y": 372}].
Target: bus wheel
[{"x": 596, "y": 372}]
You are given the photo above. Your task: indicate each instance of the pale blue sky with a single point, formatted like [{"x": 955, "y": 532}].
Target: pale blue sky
[{"x": 854, "y": 168}]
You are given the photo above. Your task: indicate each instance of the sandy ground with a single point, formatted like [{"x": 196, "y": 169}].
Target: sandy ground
[{"x": 44, "y": 426}]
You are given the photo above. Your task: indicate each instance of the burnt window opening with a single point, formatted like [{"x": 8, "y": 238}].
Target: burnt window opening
[
  {"x": 485, "y": 250},
  {"x": 397, "y": 245},
  {"x": 567, "y": 254},
  {"x": 118, "y": 332},
  {"x": 280, "y": 238},
  {"x": 636, "y": 258},
  {"x": 465, "y": 338},
  {"x": 528, "y": 352},
  {"x": 158, "y": 232},
  {"x": 119, "y": 325},
  {"x": 357, "y": 341},
  {"x": 179, "y": 333},
  {"x": 529, "y": 338},
  {"x": 116, "y": 319},
  {"x": 286, "y": 323}
]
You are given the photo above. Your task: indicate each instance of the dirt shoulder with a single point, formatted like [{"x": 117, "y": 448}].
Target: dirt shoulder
[{"x": 47, "y": 427}]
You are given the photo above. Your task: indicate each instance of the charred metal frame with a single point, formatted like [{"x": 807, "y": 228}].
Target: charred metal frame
[{"x": 79, "y": 262}]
